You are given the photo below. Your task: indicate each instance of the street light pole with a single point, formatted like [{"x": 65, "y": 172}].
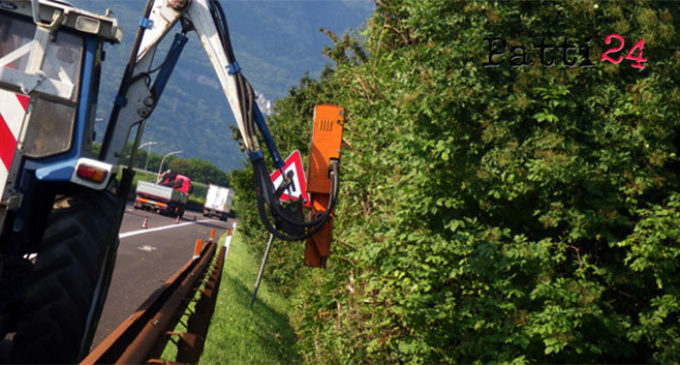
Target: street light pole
[
  {"x": 148, "y": 152},
  {"x": 160, "y": 167}
]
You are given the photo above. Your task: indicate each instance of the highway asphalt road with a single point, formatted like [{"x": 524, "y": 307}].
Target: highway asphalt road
[{"x": 148, "y": 257}]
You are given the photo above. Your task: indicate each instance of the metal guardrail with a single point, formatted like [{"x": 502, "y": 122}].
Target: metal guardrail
[{"x": 143, "y": 336}]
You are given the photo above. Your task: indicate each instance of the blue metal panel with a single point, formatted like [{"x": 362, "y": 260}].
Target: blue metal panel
[{"x": 59, "y": 171}]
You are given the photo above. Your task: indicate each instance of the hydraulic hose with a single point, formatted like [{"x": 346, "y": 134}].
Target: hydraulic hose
[
  {"x": 262, "y": 182},
  {"x": 244, "y": 90},
  {"x": 322, "y": 219},
  {"x": 329, "y": 207}
]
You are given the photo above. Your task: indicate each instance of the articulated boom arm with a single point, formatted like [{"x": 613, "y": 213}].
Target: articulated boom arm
[{"x": 137, "y": 98}]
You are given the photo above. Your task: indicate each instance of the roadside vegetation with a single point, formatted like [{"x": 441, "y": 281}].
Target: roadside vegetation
[
  {"x": 492, "y": 214},
  {"x": 240, "y": 334}
]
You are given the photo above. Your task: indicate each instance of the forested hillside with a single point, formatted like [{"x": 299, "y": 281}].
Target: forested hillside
[
  {"x": 524, "y": 212},
  {"x": 275, "y": 43}
]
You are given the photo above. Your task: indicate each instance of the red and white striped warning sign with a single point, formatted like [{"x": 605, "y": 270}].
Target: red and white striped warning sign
[
  {"x": 298, "y": 189},
  {"x": 13, "y": 108}
]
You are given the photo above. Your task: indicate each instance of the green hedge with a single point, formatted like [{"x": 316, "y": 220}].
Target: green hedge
[{"x": 514, "y": 214}]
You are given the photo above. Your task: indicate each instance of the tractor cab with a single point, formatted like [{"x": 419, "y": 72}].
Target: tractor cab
[
  {"x": 50, "y": 61},
  {"x": 50, "y": 56},
  {"x": 47, "y": 69}
]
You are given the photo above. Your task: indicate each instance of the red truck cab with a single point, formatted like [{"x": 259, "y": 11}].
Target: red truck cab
[
  {"x": 176, "y": 181},
  {"x": 168, "y": 195}
]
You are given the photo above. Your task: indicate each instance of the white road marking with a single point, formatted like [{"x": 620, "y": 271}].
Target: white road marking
[
  {"x": 169, "y": 226},
  {"x": 146, "y": 248}
]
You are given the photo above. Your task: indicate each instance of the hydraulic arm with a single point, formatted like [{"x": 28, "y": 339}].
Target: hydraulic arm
[{"x": 143, "y": 84}]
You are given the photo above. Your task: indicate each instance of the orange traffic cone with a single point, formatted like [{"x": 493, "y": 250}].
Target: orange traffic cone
[
  {"x": 145, "y": 223},
  {"x": 197, "y": 248}
]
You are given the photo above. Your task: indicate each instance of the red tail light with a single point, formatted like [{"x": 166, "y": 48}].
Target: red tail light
[{"x": 92, "y": 173}]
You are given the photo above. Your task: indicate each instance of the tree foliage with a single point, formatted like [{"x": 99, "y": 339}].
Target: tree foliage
[
  {"x": 195, "y": 168},
  {"x": 199, "y": 170},
  {"x": 515, "y": 214}
]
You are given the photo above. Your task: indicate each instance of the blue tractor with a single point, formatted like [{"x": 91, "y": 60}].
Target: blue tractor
[{"x": 61, "y": 202}]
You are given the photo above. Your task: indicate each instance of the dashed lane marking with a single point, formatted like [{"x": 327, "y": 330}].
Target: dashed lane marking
[{"x": 169, "y": 226}]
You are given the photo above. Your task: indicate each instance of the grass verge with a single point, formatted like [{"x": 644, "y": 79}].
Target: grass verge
[{"x": 239, "y": 334}]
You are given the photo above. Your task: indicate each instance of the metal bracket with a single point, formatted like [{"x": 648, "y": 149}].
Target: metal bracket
[
  {"x": 38, "y": 79},
  {"x": 146, "y": 23},
  {"x": 256, "y": 155},
  {"x": 57, "y": 16},
  {"x": 14, "y": 201},
  {"x": 121, "y": 101},
  {"x": 233, "y": 68}
]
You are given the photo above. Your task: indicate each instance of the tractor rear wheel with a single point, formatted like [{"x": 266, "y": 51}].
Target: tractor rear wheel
[{"x": 68, "y": 284}]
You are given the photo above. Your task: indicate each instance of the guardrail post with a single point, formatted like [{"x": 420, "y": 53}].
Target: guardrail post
[{"x": 261, "y": 271}]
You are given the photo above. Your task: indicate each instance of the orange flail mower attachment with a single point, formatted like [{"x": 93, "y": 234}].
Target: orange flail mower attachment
[{"x": 326, "y": 143}]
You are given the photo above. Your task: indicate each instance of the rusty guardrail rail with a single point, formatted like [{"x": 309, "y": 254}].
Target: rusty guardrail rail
[{"x": 142, "y": 336}]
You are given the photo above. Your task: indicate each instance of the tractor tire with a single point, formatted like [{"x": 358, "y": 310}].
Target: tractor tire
[{"x": 69, "y": 281}]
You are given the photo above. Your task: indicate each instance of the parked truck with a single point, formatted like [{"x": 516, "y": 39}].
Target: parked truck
[
  {"x": 61, "y": 199},
  {"x": 168, "y": 196},
  {"x": 218, "y": 202}
]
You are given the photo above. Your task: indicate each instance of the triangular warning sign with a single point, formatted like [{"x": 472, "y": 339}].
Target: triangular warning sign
[{"x": 298, "y": 189}]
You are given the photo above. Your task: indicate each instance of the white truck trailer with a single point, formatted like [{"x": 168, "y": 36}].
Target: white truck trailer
[{"x": 218, "y": 202}]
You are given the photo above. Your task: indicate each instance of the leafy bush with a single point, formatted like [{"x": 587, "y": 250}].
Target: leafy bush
[{"x": 515, "y": 214}]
